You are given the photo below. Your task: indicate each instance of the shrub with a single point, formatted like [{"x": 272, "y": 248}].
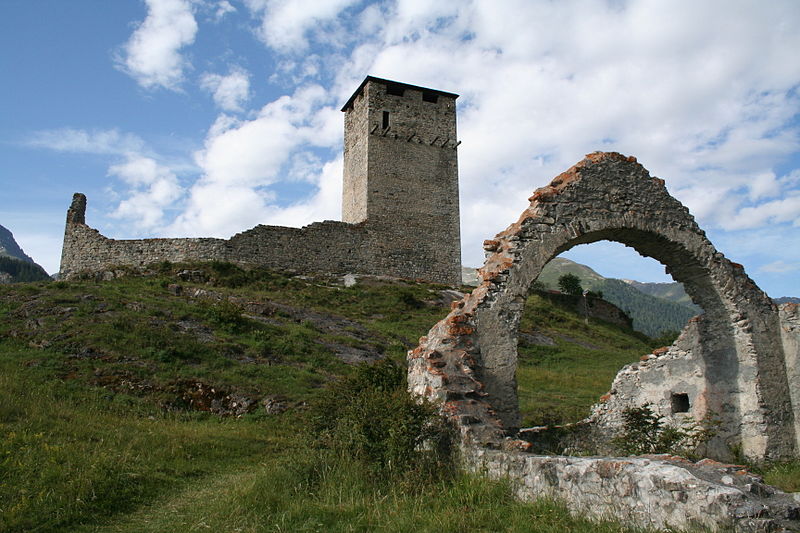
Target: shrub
[
  {"x": 371, "y": 418},
  {"x": 645, "y": 432},
  {"x": 227, "y": 316}
]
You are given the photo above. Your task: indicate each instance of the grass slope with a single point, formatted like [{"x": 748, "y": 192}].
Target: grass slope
[
  {"x": 139, "y": 405},
  {"x": 558, "y": 383}
]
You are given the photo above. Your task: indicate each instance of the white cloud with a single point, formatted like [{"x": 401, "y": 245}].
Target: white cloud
[
  {"x": 88, "y": 142},
  {"x": 242, "y": 158},
  {"x": 152, "y": 188},
  {"x": 785, "y": 210},
  {"x": 223, "y": 7},
  {"x": 152, "y": 54},
  {"x": 229, "y": 92},
  {"x": 542, "y": 84},
  {"x": 780, "y": 267},
  {"x": 285, "y": 23}
]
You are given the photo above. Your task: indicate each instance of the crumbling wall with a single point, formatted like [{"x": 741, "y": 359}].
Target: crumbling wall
[
  {"x": 789, "y": 315},
  {"x": 653, "y": 491},
  {"x": 471, "y": 355},
  {"x": 738, "y": 362},
  {"x": 329, "y": 246}
]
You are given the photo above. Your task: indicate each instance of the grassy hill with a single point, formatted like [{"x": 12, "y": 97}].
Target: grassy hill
[
  {"x": 564, "y": 364},
  {"x": 206, "y": 397},
  {"x": 656, "y": 308}
]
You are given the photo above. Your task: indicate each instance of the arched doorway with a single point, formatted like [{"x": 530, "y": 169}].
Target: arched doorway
[{"x": 737, "y": 368}]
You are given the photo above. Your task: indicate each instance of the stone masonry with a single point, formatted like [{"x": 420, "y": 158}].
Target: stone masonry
[
  {"x": 400, "y": 203},
  {"x": 738, "y": 363}
]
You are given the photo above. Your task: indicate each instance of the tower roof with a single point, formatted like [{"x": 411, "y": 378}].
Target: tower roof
[{"x": 391, "y": 82}]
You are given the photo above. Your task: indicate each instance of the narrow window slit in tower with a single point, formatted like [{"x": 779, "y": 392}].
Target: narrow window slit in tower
[{"x": 385, "y": 119}]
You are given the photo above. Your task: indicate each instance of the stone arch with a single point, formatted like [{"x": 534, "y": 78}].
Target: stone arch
[{"x": 731, "y": 361}]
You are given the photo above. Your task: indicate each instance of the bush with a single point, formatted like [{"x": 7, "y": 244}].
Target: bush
[
  {"x": 645, "y": 432},
  {"x": 371, "y": 418}
]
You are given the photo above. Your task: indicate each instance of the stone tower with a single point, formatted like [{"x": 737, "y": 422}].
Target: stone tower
[{"x": 401, "y": 177}]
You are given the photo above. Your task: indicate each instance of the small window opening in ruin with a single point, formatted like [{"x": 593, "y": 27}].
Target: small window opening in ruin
[
  {"x": 394, "y": 89},
  {"x": 385, "y": 119},
  {"x": 428, "y": 96},
  {"x": 680, "y": 402}
]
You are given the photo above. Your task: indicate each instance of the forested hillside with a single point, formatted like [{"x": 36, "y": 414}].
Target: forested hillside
[
  {"x": 18, "y": 270},
  {"x": 652, "y": 315}
]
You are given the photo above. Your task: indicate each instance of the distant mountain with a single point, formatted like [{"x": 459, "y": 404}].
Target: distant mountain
[
  {"x": 651, "y": 315},
  {"x": 656, "y": 308},
  {"x": 559, "y": 266},
  {"x": 668, "y": 291},
  {"x": 786, "y": 300},
  {"x": 15, "y": 265},
  {"x": 10, "y": 248}
]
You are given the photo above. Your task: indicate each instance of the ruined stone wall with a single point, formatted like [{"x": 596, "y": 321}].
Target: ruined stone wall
[
  {"x": 739, "y": 361},
  {"x": 790, "y": 336},
  {"x": 319, "y": 247},
  {"x": 658, "y": 492},
  {"x": 468, "y": 360},
  {"x": 332, "y": 247}
]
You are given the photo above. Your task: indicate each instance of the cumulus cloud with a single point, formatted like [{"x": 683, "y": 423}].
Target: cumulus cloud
[
  {"x": 151, "y": 189},
  {"x": 230, "y": 92},
  {"x": 152, "y": 55},
  {"x": 542, "y": 84},
  {"x": 285, "y": 23},
  {"x": 241, "y": 159}
]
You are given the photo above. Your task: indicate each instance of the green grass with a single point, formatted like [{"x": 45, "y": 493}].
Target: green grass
[
  {"x": 86, "y": 369},
  {"x": 294, "y": 497},
  {"x": 558, "y": 384},
  {"x": 785, "y": 475},
  {"x": 70, "y": 455}
]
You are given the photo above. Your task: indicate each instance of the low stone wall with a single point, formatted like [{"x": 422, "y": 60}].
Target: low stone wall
[{"x": 657, "y": 491}]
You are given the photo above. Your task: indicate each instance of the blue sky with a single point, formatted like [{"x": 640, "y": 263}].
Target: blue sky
[{"x": 207, "y": 117}]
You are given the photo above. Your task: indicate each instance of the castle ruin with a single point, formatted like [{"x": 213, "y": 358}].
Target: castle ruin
[
  {"x": 738, "y": 363},
  {"x": 400, "y": 206}
]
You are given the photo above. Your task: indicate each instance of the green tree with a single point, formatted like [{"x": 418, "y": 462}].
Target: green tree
[{"x": 570, "y": 284}]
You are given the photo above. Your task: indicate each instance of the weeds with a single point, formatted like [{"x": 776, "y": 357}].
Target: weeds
[{"x": 646, "y": 432}]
